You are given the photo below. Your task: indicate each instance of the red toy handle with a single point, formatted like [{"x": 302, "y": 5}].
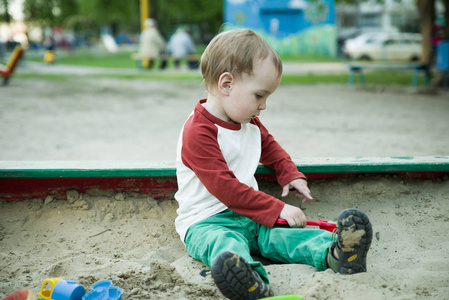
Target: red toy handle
[{"x": 326, "y": 225}]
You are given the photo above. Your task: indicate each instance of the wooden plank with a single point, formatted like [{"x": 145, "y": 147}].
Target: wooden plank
[
  {"x": 39, "y": 179},
  {"x": 132, "y": 169}
]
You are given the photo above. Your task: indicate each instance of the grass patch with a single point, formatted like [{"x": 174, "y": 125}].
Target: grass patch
[
  {"x": 149, "y": 76},
  {"x": 402, "y": 78},
  {"x": 310, "y": 58},
  {"x": 89, "y": 58},
  {"x": 122, "y": 59},
  {"x": 378, "y": 77}
]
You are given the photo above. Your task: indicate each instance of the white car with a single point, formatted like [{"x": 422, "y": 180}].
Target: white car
[{"x": 384, "y": 46}]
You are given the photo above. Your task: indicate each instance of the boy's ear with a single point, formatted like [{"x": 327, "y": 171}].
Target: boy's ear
[{"x": 225, "y": 83}]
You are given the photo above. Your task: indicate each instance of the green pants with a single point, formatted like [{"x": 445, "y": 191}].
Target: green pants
[{"x": 230, "y": 231}]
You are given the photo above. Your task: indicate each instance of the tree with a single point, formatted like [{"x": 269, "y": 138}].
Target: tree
[
  {"x": 4, "y": 11},
  {"x": 49, "y": 12},
  {"x": 124, "y": 15},
  {"x": 426, "y": 10},
  {"x": 116, "y": 14},
  {"x": 169, "y": 13}
]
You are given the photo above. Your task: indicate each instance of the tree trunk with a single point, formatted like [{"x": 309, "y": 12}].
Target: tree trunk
[
  {"x": 6, "y": 16},
  {"x": 426, "y": 9},
  {"x": 446, "y": 19}
]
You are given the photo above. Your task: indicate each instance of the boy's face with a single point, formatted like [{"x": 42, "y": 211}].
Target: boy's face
[{"x": 248, "y": 94}]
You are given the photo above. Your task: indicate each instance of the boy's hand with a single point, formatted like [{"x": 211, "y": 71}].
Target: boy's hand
[
  {"x": 294, "y": 216},
  {"x": 300, "y": 187}
]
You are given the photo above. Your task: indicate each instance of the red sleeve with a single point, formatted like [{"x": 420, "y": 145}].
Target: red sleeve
[
  {"x": 275, "y": 157},
  {"x": 201, "y": 153}
]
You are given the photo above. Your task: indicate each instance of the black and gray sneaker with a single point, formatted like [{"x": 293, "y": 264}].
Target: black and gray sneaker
[
  {"x": 354, "y": 240},
  {"x": 236, "y": 280}
]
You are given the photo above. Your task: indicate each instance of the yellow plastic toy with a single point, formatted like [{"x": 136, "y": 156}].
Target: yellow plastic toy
[
  {"x": 49, "y": 57},
  {"x": 46, "y": 294}
]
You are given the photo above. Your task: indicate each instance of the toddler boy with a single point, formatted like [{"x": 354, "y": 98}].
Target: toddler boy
[{"x": 223, "y": 218}]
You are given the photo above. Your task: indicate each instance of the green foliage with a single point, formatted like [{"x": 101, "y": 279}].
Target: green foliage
[
  {"x": 169, "y": 13},
  {"x": 49, "y": 12},
  {"x": 118, "y": 14},
  {"x": 4, "y": 11},
  {"x": 122, "y": 15}
]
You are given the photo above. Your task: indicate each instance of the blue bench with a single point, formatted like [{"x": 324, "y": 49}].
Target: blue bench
[{"x": 417, "y": 69}]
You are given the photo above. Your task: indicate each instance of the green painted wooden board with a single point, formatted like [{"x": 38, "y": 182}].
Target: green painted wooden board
[{"x": 104, "y": 169}]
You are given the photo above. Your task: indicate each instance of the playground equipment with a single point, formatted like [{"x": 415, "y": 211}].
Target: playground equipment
[{"x": 11, "y": 64}]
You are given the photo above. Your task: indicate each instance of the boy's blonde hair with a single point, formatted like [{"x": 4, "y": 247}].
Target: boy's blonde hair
[{"x": 235, "y": 52}]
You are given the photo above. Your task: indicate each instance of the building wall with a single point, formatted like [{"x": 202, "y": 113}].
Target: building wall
[
  {"x": 391, "y": 15},
  {"x": 292, "y": 27}
]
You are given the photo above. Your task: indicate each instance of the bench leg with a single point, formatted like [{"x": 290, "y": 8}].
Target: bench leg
[
  {"x": 445, "y": 79},
  {"x": 427, "y": 76},
  {"x": 5, "y": 80},
  {"x": 415, "y": 78},
  {"x": 351, "y": 77},
  {"x": 361, "y": 77}
]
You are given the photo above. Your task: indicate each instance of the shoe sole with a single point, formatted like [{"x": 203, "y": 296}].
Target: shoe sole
[
  {"x": 354, "y": 240},
  {"x": 235, "y": 278}
]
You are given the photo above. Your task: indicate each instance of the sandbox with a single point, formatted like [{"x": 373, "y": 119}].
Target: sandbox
[{"x": 89, "y": 221}]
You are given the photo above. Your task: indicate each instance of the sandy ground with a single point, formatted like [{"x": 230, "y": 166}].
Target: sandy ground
[
  {"x": 130, "y": 238},
  {"x": 111, "y": 119}
]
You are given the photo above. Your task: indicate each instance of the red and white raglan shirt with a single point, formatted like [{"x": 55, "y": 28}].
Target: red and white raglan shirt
[{"x": 216, "y": 162}]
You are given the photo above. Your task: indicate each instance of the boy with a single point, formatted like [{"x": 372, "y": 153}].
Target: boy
[{"x": 222, "y": 217}]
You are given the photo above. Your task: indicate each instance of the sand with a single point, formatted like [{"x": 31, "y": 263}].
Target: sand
[
  {"x": 112, "y": 119},
  {"x": 130, "y": 238}
]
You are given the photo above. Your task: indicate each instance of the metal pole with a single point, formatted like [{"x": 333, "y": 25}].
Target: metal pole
[{"x": 144, "y": 12}]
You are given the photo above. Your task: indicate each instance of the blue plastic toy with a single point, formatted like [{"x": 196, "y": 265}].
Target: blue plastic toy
[{"x": 104, "y": 290}]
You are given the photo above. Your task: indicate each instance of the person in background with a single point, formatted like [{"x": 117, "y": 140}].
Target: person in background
[
  {"x": 181, "y": 45},
  {"x": 152, "y": 44}
]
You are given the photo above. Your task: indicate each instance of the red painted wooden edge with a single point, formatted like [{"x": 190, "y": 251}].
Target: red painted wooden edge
[{"x": 160, "y": 188}]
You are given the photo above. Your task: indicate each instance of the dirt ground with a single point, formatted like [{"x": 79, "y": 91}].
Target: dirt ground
[
  {"x": 130, "y": 238},
  {"x": 112, "y": 119}
]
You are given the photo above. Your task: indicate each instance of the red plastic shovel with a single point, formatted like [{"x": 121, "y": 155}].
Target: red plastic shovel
[{"x": 325, "y": 225}]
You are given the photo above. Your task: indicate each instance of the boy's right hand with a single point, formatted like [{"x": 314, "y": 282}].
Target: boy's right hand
[{"x": 294, "y": 216}]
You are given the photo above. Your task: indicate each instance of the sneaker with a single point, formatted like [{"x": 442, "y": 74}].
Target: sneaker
[
  {"x": 354, "y": 240},
  {"x": 236, "y": 280}
]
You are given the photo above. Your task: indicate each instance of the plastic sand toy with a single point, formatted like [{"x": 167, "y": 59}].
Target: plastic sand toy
[
  {"x": 104, "y": 290},
  {"x": 325, "y": 225},
  {"x": 285, "y": 297},
  {"x": 60, "y": 289}
]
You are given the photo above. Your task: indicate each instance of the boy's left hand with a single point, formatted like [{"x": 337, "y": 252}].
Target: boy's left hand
[{"x": 300, "y": 187}]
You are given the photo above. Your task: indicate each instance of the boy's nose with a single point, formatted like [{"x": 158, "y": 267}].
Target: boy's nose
[{"x": 263, "y": 105}]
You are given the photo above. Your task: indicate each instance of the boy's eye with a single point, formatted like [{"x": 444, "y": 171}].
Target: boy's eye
[{"x": 259, "y": 96}]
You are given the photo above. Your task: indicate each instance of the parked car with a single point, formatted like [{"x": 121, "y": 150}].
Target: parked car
[{"x": 384, "y": 46}]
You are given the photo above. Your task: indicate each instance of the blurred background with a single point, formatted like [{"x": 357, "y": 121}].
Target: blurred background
[
  {"x": 315, "y": 29},
  {"x": 99, "y": 96}
]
